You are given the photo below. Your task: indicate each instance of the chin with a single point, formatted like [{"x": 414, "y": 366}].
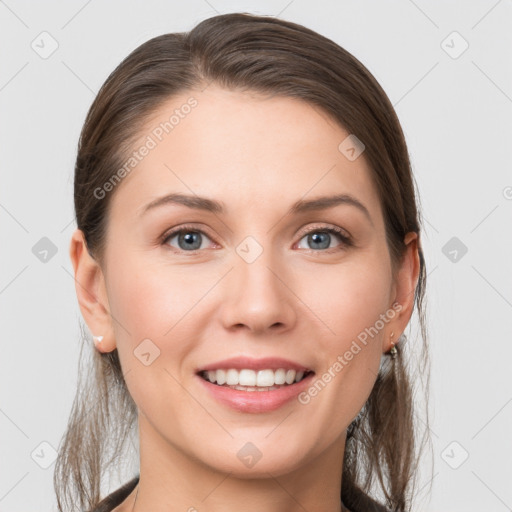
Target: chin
[{"x": 249, "y": 462}]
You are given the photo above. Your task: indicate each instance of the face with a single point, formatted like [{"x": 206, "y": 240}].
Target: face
[{"x": 188, "y": 287}]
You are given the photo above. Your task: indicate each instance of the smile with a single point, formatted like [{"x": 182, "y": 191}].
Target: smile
[
  {"x": 251, "y": 380},
  {"x": 254, "y": 398}
]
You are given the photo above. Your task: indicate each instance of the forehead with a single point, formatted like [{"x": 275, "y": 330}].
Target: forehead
[{"x": 244, "y": 149}]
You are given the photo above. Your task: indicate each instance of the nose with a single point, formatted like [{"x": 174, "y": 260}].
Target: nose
[{"x": 258, "y": 297}]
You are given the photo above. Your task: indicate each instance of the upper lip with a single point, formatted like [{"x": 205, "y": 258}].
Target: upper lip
[{"x": 239, "y": 363}]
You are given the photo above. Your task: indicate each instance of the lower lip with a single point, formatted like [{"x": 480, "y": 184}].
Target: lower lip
[{"x": 256, "y": 401}]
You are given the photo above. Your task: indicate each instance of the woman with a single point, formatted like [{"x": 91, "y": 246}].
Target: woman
[{"x": 247, "y": 258}]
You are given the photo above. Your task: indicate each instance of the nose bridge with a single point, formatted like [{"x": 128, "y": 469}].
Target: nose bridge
[
  {"x": 254, "y": 264},
  {"x": 256, "y": 294}
]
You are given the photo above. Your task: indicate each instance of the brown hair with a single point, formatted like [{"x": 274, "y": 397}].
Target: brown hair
[{"x": 269, "y": 56}]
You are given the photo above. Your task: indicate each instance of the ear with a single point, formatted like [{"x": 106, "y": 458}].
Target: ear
[
  {"x": 404, "y": 289},
  {"x": 91, "y": 292}
]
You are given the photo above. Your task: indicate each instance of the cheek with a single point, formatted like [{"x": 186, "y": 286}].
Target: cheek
[
  {"x": 154, "y": 302},
  {"x": 347, "y": 298},
  {"x": 351, "y": 303},
  {"x": 158, "y": 301},
  {"x": 140, "y": 302},
  {"x": 147, "y": 297}
]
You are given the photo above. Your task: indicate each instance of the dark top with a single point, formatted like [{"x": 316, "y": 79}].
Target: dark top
[{"x": 363, "y": 503}]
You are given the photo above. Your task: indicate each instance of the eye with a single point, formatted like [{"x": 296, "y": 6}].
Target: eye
[
  {"x": 321, "y": 237},
  {"x": 188, "y": 238}
]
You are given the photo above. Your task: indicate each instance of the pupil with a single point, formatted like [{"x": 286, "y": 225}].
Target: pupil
[
  {"x": 189, "y": 238},
  {"x": 314, "y": 238}
]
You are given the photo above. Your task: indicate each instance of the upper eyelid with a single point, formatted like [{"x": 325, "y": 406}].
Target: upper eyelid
[{"x": 314, "y": 227}]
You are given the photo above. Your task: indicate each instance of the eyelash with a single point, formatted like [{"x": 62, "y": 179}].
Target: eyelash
[{"x": 346, "y": 241}]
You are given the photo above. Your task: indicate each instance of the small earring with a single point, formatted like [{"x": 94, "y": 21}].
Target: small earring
[
  {"x": 97, "y": 340},
  {"x": 393, "y": 352}
]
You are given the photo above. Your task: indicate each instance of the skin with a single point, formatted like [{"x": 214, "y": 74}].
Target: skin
[{"x": 258, "y": 156}]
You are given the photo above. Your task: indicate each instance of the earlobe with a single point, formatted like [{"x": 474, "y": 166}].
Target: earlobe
[{"x": 91, "y": 293}]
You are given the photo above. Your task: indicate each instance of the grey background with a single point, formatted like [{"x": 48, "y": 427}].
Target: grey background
[{"x": 456, "y": 111}]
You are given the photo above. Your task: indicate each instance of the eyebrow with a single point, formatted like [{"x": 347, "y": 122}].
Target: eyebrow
[{"x": 301, "y": 206}]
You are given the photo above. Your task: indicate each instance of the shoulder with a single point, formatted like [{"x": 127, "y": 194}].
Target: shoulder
[{"x": 111, "y": 501}]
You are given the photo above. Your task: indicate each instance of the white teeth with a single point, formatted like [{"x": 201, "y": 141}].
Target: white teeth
[
  {"x": 264, "y": 378},
  {"x": 280, "y": 377},
  {"x": 290, "y": 376},
  {"x": 247, "y": 378},
  {"x": 252, "y": 378},
  {"x": 218, "y": 376},
  {"x": 232, "y": 377}
]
